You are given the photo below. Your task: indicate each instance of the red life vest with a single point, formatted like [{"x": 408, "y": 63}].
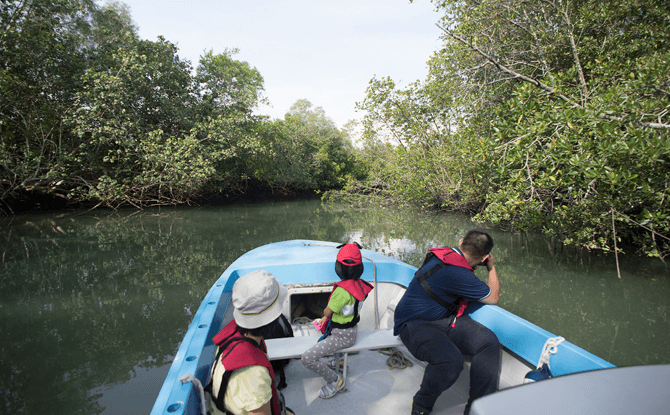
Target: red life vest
[
  {"x": 359, "y": 289},
  {"x": 235, "y": 352},
  {"x": 448, "y": 257}
]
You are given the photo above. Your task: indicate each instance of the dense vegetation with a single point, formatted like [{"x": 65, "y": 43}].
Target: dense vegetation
[
  {"x": 544, "y": 115},
  {"x": 90, "y": 113}
]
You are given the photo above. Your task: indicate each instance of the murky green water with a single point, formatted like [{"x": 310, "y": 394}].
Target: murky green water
[{"x": 93, "y": 305}]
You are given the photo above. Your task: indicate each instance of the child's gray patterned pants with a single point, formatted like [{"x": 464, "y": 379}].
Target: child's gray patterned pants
[{"x": 338, "y": 339}]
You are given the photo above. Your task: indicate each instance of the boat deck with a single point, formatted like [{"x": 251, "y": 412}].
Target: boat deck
[{"x": 371, "y": 388}]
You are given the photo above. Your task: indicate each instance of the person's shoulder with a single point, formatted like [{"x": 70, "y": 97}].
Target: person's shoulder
[
  {"x": 341, "y": 293},
  {"x": 455, "y": 269},
  {"x": 253, "y": 373},
  {"x": 454, "y": 276},
  {"x": 431, "y": 261},
  {"x": 248, "y": 388},
  {"x": 339, "y": 296},
  {"x": 466, "y": 276}
]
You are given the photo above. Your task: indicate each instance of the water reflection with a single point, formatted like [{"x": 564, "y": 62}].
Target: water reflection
[
  {"x": 131, "y": 397},
  {"x": 82, "y": 299},
  {"x": 94, "y": 304}
]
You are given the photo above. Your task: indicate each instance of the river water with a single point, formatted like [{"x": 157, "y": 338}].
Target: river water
[{"x": 93, "y": 304}]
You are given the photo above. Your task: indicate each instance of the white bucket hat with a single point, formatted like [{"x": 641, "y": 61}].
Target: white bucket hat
[{"x": 258, "y": 298}]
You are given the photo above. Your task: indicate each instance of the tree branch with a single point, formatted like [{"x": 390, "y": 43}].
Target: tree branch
[
  {"x": 544, "y": 86},
  {"x": 573, "y": 46}
]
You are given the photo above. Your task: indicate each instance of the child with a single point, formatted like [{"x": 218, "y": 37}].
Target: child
[
  {"x": 342, "y": 309},
  {"x": 242, "y": 378}
]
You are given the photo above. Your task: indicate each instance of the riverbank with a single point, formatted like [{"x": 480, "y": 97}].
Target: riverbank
[{"x": 36, "y": 202}]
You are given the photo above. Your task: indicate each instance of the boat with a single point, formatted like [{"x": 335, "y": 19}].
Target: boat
[
  {"x": 306, "y": 268},
  {"x": 621, "y": 390}
]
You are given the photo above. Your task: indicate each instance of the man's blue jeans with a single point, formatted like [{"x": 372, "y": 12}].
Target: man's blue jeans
[{"x": 443, "y": 347}]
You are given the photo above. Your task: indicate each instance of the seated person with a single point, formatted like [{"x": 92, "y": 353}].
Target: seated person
[
  {"x": 242, "y": 379},
  {"x": 342, "y": 310}
]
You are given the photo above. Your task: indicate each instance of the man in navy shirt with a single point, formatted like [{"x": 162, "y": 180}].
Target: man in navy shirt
[{"x": 431, "y": 322}]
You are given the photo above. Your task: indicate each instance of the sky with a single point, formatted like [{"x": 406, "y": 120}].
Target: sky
[{"x": 322, "y": 51}]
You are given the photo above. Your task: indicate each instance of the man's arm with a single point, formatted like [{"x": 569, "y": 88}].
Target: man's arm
[{"x": 493, "y": 282}]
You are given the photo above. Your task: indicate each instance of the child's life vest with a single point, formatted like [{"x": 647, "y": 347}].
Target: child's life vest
[
  {"x": 235, "y": 352},
  {"x": 359, "y": 289}
]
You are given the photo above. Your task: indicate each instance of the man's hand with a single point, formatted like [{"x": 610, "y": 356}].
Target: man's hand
[
  {"x": 490, "y": 263},
  {"x": 493, "y": 282}
]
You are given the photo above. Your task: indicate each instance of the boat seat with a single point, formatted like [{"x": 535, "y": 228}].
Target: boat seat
[{"x": 293, "y": 347}]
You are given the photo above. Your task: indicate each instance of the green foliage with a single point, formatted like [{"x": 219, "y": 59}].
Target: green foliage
[
  {"x": 128, "y": 107},
  {"x": 326, "y": 151},
  {"x": 228, "y": 85},
  {"x": 560, "y": 114},
  {"x": 282, "y": 166},
  {"x": 229, "y": 144},
  {"x": 429, "y": 165},
  {"x": 40, "y": 62},
  {"x": 93, "y": 114},
  {"x": 564, "y": 170}
]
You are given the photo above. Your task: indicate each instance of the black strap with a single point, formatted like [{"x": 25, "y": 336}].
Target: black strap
[
  {"x": 350, "y": 324},
  {"x": 222, "y": 346},
  {"x": 219, "y": 400},
  {"x": 286, "y": 326},
  {"x": 421, "y": 277},
  {"x": 356, "y": 319}
]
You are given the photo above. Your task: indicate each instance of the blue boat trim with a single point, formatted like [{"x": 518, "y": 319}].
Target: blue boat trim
[
  {"x": 507, "y": 326},
  {"x": 285, "y": 261}
]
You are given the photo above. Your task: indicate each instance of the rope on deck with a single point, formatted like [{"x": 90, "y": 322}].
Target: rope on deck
[
  {"x": 302, "y": 320},
  {"x": 396, "y": 359}
]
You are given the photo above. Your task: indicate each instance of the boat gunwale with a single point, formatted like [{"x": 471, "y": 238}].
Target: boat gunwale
[{"x": 196, "y": 351}]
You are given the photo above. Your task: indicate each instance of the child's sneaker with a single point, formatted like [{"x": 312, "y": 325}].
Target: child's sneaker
[{"x": 330, "y": 389}]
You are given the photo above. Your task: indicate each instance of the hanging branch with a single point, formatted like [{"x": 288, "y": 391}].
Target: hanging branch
[
  {"x": 543, "y": 86},
  {"x": 573, "y": 46},
  {"x": 641, "y": 225},
  {"x": 616, "y": 251}
]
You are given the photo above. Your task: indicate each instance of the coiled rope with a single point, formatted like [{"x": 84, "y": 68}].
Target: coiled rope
[
  {"x": 396, "y": 359},
  {"x": 302, "y": 320},
  {"x": 549, "y": 349}
]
